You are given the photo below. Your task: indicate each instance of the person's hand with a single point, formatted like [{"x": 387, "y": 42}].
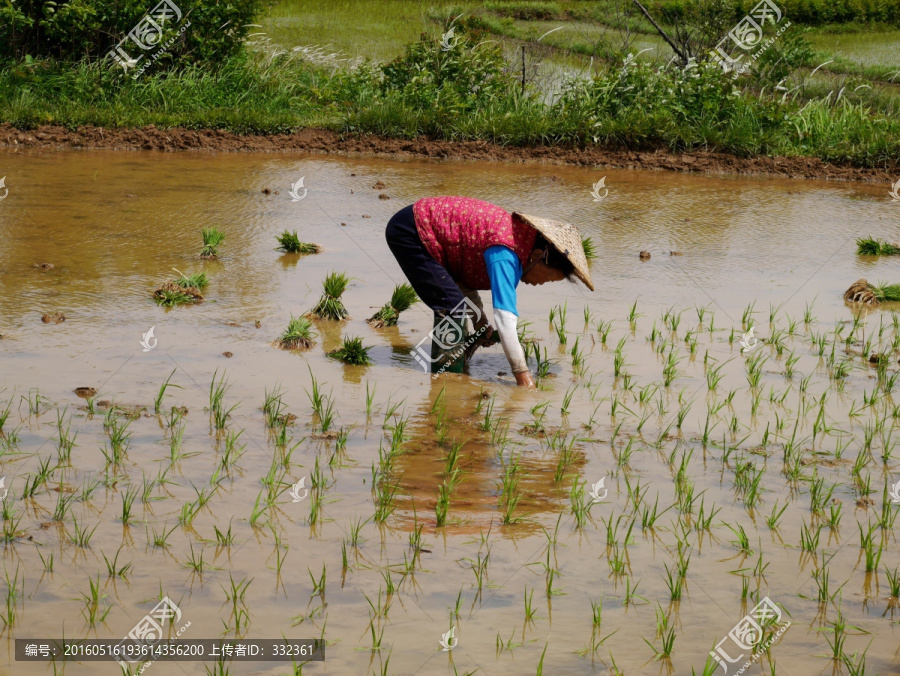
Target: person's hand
[{"x": 525, "y": 379}]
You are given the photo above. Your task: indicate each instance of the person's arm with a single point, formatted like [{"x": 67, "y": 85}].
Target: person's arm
[{"x": 505, "y": 271}]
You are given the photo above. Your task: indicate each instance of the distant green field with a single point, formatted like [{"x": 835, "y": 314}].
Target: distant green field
[{"x": 377, "y": 29}]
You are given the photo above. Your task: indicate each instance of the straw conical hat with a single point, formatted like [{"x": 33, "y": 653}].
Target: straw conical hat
[{"x": 566, "y": 238}]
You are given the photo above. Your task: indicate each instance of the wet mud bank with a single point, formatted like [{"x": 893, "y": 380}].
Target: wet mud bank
[{"x": 327, "y": 141}]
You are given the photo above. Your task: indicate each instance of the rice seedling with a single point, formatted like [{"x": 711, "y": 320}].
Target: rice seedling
[
  {"x": 92, "y": 611},
  {"x": 670, "y": 369},
  {"x": 217, "y": 408},
  {"x": 590, "y": 248},
  {"x": 603, "y": 328},
  {"x": 289, "y": 242},
  {"x": 742, "y": 542},
  {"x": 298, "y": 335},
  {"x": 775, "y": 517},
  {"x": 871, "y": 550},
  {"x": 35, "y": 400},
  {"x": 822, "y": 577},
  {"x": 839, "y": 632},
  {"x": 353, "y": 352},
  {"x": 559, "y": 325},
  {"x": 225, "y": 539},
  {"x": 868, "y": 246},
  {"x": 82, "y": 536},
  {"x": 113, "y": 568},
  {"x": 212, "y": 239},
  {"x": 4, "y": 415},
  {"x": 160, "y": 539},
  {"x": 809, "y": 539},
  {"x": 442, "y": 505},
  {"x": 402, "y": 298},
  {"x": 65, "y": 440},
  {"x": 856, "y": 663},
  {"x": 664, "y": 632},
  {"x": 157, "y": 403},
  {"x": 48, "y": 562},
  {"x": 182, "y": 290},
  {"x": 330, "y": 305},
  {"x": 64, "y": 502}
]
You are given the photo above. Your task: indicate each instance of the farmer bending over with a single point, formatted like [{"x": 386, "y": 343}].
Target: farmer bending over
[{"x": 450, "y": 247}]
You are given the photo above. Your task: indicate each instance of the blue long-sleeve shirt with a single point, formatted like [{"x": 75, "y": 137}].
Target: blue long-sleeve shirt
[{"x": 505, "y": 271}]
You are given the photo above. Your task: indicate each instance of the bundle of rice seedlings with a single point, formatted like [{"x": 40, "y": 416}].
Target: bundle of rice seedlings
[
  {"x": 183, "y": 289},
  {"x": 330, "y": 305},
  {"x": 886, "y": 293},
  {"x": 402, "y": 299},
  {"x": 871, "y": 294},
  {"x": 352, "y": 352},
  {"x": 868, "y": 246},
  {"x": 297, "y": 335},
  {"x": 289, "y": 242},
  {"x": 212, "y": 238},
  {"x": 590, "y": 249}
]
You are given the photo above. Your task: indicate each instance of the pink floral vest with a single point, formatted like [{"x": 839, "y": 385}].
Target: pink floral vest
[{"x": 456, "y": 231}]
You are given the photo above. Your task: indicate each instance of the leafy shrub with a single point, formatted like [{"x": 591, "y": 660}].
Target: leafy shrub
[
  {"x": 463, "y": 78},
  {"x": 75, "y": 29}
]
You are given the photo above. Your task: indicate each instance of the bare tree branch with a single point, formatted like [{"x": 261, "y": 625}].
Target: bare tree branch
[{"x": 665, "y": 37}]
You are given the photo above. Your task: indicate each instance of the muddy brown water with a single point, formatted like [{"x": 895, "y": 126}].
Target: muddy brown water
[{"x": 114, "y": 225}]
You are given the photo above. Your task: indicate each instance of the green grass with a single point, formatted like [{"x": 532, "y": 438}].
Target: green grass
[
  {"x": 467, "y": 94},
  {"x": 289, "y": 242},
  {"x": 867, "y": 246},
  {"x": 402, "y": 298},
  {"x": 212, "y": 239},
  {"x": 182, "y": 290},
  {"x": 353, "y": 352},
  {"x": 886, "y": 292},
  {"x": 330, "y": 305},
  {"x": 297, "y": 335}
]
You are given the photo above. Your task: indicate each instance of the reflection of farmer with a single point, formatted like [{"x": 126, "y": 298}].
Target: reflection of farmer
[{"x": 449, "y": 247}]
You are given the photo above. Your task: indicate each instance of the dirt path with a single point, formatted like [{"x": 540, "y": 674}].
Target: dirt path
[{"x": 326, "y": 141}]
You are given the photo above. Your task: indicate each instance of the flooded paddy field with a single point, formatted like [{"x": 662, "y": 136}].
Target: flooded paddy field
[{"x": 663, "y": 480}]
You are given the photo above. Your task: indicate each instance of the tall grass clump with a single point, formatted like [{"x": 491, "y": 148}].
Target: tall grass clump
[
  {"x": 212, "y": 239},
  {"x": 868, "y": 246},
  {"x": 402, "y": 299},
  {"x": 289, "y": 242},
  {"x": 183, "y": 289},
  {"x": 330, "y": 305},
  {"x": 297, "y": 335},
  {"x": 352, "y": 351}
]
